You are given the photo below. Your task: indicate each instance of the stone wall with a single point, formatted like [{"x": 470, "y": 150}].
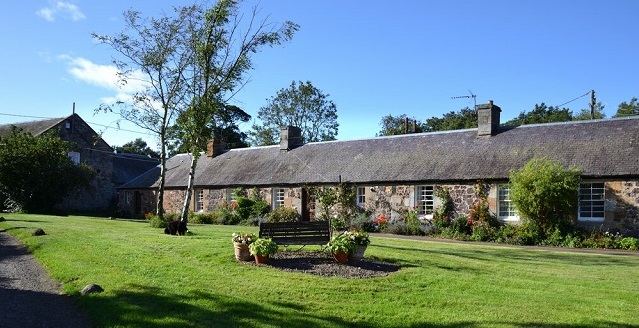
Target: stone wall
[{"x": 621, "y": 211}]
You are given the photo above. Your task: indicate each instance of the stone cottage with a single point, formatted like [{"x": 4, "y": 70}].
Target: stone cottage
[
  {"x": 112, "y": 170},
  {"x": 402, "y": 172}
]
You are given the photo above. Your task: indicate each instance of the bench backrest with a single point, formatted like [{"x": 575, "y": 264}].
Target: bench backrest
[{"x": 297, "y": 233}]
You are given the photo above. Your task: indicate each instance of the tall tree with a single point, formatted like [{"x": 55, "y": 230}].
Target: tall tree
[
  {"x": 137, "y": 146},
  {"x": 223, "y": 46},
  {"x": 465, "y": 118},
  {"x": 301, "y": 105},
  {"x": 541, "y": 114},
  {"x": 628, "y": 109},
  {"x": 190, "y": 62},
  {"x": 395, "y": 125},
  {"x": 224, "y": 125},
  {"x": 36, "y": 172},
  {"x": 155, "y": 52}
]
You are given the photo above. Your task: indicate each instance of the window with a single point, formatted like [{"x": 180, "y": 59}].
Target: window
[
  {"x": 506, "y": 209},
  {"x": 127, "y": 197},
  {"x": 199, "y": 200},
  {"x": 230, "y": 195},
  {"x": 74, "y": 156},
  {"x": 591, "y": 201},
  {"x": 361, "y": 196},
  {"x": 278, "y": 197},
  {"x": 424, "y": 197}
]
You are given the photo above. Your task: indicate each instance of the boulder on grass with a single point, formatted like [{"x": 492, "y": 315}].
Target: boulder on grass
[
  {"x": 92, "y": 288},
  {"x": 2, "y": 219},
  {"x": 38, "y": 232}
]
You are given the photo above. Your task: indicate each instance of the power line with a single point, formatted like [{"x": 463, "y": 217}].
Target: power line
[
  {"x": 568, "y": 102},
  {"x": 98, "y": 124}
]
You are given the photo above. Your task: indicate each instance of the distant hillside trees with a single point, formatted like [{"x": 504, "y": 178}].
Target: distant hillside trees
[
  {"x": 36, "y": 172},
  {"x": 137, "y": 146},
  {"x": 628, "y": 109}
]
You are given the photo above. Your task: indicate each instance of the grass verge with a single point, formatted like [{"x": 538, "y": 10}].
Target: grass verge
[{"x": 151, "y": 279}]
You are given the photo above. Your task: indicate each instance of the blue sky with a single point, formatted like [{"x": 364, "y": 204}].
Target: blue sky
[{"x": 374, "y": 58}]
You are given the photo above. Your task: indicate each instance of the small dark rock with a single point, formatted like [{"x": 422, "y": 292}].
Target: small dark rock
[
  {"x": 92, "y": 288},
  {"x": 2, "y": 219},
  {"x": 38, "y": 232}
]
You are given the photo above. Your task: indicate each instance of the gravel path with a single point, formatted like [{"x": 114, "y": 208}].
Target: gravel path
[{"x": 28, "y": 296}]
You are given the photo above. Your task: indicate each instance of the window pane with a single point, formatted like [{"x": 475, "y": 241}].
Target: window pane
[{"x": 591, "y": 200}]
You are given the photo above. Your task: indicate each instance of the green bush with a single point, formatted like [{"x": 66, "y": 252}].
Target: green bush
[
  {"x": 506, "y": 234},
  {"x": 630, "y": 243},
  {"x": 203, "y": 218},
  {"x": 528, "y": 234},
  {"x": 364, "y": 222},
  {"x": 545, "y": 193},
  {"x": 284, "y": 214},
  {"x": 483, "y": 231},
  {"x": 461, "y": 225},
  {"x": 157, "y": 222}
]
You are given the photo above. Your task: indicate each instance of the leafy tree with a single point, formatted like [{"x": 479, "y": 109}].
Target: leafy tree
[
  {"x": 36, "y": 172},
  {"x": 137, "y": 146},
  {"x": 395, "y": 125},
  {"x": 188, "y": 62},
  {"x": 155, "y": 53},
  {"x": 223, "y": 124},
  {"x": 628, "y": 109},
  {"x": 222, "y": 56},
  {"x": 301, "y": 105},
  {"x": 542, "y": 114},
  {"x": 545, "y": 194},
  {"x": 465, "y": 118},
  {"x": 584, "y": 114}
]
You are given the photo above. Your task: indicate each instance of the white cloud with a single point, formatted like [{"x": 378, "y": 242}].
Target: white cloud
[
  {"x": 60, "y": 8},
  {"x": 106, "y": 77}
]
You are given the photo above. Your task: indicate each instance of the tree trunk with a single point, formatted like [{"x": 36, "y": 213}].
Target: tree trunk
[
  {"x": 189, "y": 188},
  {"x": 160, "y": 200}
]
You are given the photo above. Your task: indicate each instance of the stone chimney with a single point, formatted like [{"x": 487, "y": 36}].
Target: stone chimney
[
  {"x": 215, "y": 147},
  {"x": 291, "y": 137},
  {"x": 488, "y": 119}
]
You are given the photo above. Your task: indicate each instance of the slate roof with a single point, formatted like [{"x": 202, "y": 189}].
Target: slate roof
[
  {"x": 128, "y": 166},
  {"x": 600, "y": 148},
  {"x": 35, "y": 128}
]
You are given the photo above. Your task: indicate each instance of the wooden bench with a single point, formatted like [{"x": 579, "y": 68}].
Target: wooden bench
[{"x": 297, "y": 233}]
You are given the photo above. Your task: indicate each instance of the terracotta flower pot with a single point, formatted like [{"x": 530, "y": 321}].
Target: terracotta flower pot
[
  {"x": 242, "y": 252},
  {"x": 261, "y": 259},
  {"x": 340, "y": 257},
  {"x": 358, "y": 253}
]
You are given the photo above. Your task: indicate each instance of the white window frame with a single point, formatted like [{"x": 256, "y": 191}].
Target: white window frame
[
  {"x": 503, "y": 198},
  {"x": 425, "y": 201},
  {"x": 592, "y": 201},
  {"x": 127, "y": 197},
  {"x": 230, "y": 195},
  {"x": 199, "y": 200},
  {"x": 278, "y": 197},
  {"x": 361, "y": 197}
]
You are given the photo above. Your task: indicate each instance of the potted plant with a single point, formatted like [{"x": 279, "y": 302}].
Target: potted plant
[
  {"x": 241, "y": 242},
  {"x": 340, "y": 246},
  {"x": 361, "y": 240},
  {"x": 262, "y": 248}
]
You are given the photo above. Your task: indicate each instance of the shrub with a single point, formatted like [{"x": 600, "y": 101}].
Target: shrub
[
  {"x": 479, "y": 210},
  {"x": 630, "y": 243},
  {"x": 157, "y": 222},
  {"x": 545, "y": 193},
  {"x": 364, "y": 223},
  {"x": 482, "y": 231},
  {"x": 528, "y": 234},
  {"x": 203, "y": 218},
  {"x": 413, "y": 225},
  {"x": 461, "y": 225},
  {"x": 284, "y": 214},
  {"x": 507, "y": 234}
]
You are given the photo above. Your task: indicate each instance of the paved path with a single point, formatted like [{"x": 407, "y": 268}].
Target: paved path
[{"x": 28, "y": 296}]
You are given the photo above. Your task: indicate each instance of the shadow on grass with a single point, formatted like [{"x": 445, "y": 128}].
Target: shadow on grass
[
  {"x": 152, "y": 307},
  {"x": 27, "y": 308}
]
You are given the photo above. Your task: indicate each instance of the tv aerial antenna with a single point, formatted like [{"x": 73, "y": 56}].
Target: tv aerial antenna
[{"x": 473, "y": 96}]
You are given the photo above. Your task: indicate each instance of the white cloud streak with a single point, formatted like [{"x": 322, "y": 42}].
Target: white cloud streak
[
  {"x": 60, "y": 8},
  {"x": 106, "y": 77}
]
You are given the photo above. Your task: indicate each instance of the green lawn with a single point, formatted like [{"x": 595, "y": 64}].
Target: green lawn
[{"x": 151, "y": 279}]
